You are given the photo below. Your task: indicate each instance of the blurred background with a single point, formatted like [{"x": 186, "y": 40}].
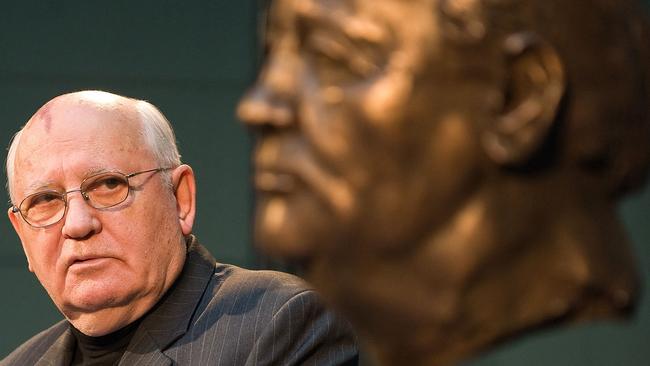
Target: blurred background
[{"x": 194, "y": 59}]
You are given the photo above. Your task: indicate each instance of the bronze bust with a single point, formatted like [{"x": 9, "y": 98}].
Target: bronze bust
[{"x": 448, "y": 171}]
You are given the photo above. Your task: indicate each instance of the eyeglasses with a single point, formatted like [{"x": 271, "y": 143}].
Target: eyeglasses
[{"x": 103, "y": 190}]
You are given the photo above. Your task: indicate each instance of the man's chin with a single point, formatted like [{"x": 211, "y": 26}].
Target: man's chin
[
  {"x": 83, "y": 300},
  {"x": 87, "y": 306}
]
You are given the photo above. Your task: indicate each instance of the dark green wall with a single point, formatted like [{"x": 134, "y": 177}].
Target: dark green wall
[{"x": 193, "y": 59}]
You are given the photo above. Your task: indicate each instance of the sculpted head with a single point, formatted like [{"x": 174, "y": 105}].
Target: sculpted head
[
  {"x": 426, "y": 159},
  {"x": 105, "y": 243}
]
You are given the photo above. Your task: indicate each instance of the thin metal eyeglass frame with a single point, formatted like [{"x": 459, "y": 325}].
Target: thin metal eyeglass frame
[{"x": 64, "y": 195}]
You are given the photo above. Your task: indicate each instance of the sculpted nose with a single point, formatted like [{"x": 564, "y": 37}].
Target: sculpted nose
[
  {"x": 80, "y": 220},
  {"x": 259, "y": 108},
  {"x": 271, "y": 101}
]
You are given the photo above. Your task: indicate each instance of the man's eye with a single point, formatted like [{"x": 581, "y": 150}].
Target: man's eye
[
  {"x": 106, "y": 184},
  {"x": 111, "y": 183},
  {"x": 43, "y": 199},
  {"x": 41, "y": 203}
]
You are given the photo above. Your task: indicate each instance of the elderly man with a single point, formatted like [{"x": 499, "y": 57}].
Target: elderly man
[
  {"x": 457, "y": 162},
  {"x": 104, "y": 210}
]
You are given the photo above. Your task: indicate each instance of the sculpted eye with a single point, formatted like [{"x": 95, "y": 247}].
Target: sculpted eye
[{"x": 336, "y": 61}]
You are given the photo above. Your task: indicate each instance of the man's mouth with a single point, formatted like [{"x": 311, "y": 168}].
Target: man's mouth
[{"x": 87, "y": 262}]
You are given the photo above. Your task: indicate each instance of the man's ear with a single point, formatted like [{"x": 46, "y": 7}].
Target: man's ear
[
  {"x": 15, "y": 219},
  {"x": 185, "y": 192},
  {"x": 533, "y": 91}
]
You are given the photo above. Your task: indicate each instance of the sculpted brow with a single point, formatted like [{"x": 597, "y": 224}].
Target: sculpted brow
[{"x": 354, "y": 30}]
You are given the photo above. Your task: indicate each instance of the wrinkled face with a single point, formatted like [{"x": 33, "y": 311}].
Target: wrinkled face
[
  {"x": 92, "y": 260},
  {"x": 363, "y": 129}
]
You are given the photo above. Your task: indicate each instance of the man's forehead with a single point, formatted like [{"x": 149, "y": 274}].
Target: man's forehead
[
  {"x": 79, "y": 126},
  {"x": 76, "y": 110}
]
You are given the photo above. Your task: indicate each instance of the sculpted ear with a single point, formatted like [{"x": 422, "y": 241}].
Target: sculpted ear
[
  {"x": 185, "y": 192},
  {"x": 533, "y": 92}
]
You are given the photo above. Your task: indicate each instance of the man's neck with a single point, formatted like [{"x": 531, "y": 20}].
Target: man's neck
[{"x": 103, "y": 350}]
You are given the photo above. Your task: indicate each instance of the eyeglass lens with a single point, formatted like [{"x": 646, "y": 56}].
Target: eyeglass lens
[{"x": 100, "y": 191}]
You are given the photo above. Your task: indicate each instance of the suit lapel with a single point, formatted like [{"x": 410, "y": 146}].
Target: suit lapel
[
  {"x": 61, "y": 351},
  {"x": 171, "y": 317},
  {"x": 144, "y": 351}
]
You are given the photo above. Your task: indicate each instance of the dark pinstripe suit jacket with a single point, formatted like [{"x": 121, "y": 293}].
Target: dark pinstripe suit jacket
[{"x": 219, "y": 315}]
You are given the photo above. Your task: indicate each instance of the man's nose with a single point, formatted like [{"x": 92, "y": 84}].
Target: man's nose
[
  {"x": 271, "y": 101},
  {"x": 80, "y": 220}
]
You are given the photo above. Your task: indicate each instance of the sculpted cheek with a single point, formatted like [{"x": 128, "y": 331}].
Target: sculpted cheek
[
  {"x": 326, "y": 124},
  {"x": 385, "y": 100}
]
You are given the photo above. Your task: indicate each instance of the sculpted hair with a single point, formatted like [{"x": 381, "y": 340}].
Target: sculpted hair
[
  {"x": 156, "y": 132},
  {"x": 604, "y": 125}
]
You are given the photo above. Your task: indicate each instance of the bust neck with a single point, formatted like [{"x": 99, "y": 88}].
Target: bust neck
[
  {"x": 531, "y": 265},
  {"x": 501, "y": 266}
]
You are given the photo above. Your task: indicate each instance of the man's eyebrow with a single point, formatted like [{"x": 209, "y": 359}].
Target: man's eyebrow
[
  {"x": 94, "y": 170},
  {"x": 38, "y": 186},
  {"x": 42, "y": 185}
]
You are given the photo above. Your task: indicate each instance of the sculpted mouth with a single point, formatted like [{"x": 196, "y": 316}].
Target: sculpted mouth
[{"x": 268, "y": 180}]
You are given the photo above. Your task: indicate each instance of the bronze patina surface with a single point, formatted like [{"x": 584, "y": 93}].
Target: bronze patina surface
[{"x": 448, "y": 171}]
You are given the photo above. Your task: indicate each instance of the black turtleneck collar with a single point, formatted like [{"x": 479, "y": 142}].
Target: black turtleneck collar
[{"x": 102, "y": 350}]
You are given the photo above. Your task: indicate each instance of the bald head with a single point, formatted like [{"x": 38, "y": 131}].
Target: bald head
[{"x": 137, "y": 121}]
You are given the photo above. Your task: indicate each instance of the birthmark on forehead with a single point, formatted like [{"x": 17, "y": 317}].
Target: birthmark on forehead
[{"x": 45, "y": 114}]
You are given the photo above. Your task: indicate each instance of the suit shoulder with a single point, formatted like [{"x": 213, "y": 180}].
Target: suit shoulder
[
  {"x": 33, "y": 349},
  {"x": 265, "y": 318},
  {"x": 243, "y": 281},
  {"x": 237, "y": 290}
]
